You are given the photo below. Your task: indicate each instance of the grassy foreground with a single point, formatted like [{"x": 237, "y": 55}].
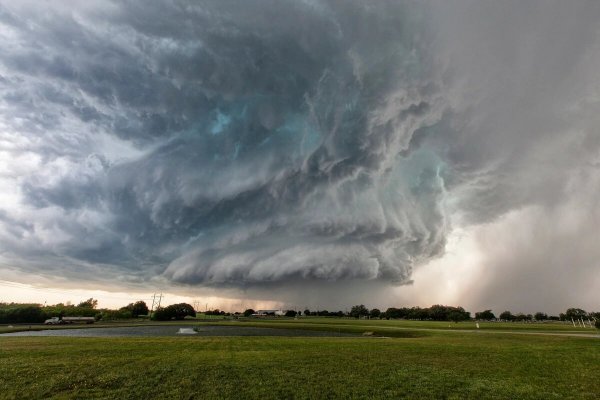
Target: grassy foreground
[{"x": 433, "y": 365}]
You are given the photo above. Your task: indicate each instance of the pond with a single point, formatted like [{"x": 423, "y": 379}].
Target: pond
[{"x": 174, "y": 330}]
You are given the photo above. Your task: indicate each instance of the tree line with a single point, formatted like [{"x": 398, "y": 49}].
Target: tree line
[
  {"x": 36, "y": 313},
  {"x": 571, "y": 314},
  {"x": 18, "y": 313},
  {"x": 440, "y": 312},
  {"x": 435, "y": 313}
]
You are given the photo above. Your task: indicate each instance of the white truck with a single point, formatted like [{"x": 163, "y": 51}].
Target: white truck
[{"x": 69, "y": 320}]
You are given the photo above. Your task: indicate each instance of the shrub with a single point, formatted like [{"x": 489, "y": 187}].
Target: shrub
[
  {"x": 177, "y": 311},
  {"x": 162, "y": 314},
  {"x": 108, "y": 315},
  {"x": 22, "y": 313},
  {"x": 181, "y": 310},
  {"x": 139, "y": 308}
]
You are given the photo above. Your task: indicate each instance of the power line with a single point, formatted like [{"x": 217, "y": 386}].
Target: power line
[
  {"x": 196, "y": 305},
  {"x": 154, "y": 301}
]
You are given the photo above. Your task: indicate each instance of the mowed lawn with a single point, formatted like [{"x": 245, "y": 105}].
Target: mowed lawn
[
  {"x": 386, "y": 327},
  {"x": 434, "y": 365}
]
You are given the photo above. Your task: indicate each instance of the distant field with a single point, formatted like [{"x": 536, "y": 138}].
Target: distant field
[
  {"x": 390, "y": 325},
  {"x": 422, "y": 364}
]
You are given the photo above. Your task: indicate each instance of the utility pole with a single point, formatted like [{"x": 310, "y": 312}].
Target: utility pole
[
  {"x": 154, "y": 296},
  {"x": 152, "y": 308}
]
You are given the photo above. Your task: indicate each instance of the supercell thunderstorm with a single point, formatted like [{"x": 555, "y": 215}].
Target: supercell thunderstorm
[
  {"x": 226, "y": 144},
  {"x": 265, "y": 147}
]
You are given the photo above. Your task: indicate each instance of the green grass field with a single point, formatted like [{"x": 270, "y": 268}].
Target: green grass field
[
  {"x": 432, "y": 363},
  {"x": 387, "y": 326}
]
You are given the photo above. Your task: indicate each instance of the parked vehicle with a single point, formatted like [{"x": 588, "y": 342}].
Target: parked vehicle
[{"x": 69, "y": 320}]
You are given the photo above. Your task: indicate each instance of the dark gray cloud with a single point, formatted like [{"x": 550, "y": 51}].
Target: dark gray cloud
[
  {"x": 253, "y": 144},
  {"x": 243, "y": 145}
]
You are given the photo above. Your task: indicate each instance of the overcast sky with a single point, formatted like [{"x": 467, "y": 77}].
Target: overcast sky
[{"x": 314, "y": 153}]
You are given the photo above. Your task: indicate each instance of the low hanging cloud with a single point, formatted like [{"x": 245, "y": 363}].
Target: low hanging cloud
[{"x": 243, "y": 145}]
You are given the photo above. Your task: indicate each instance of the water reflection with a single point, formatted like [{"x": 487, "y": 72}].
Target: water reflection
[{"x": 174, "y": 330}]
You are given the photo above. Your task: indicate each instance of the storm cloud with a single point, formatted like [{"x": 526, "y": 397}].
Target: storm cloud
[{"x": 251, "y": 144}]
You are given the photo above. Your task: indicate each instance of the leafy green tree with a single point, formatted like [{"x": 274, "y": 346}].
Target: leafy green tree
[
  {"x": 522, "y": 317},
  {"x": 136, "y": 309},
  {"x": 174, "y": 311},
  {"x": 486, "y": 315},
  {"x": 457, "y": 316},
  {"x": 108, "y": 315},
  {"x": 575, "y": 313},
  {"x": 375, "y": 313},
  {"x": 507, "y": 316},
  {"x": 181, "y": 310},
  {"x": 306, "y": 312},
  {"x": 22, "y": 313},
  {"x": 139, "y": 308},
  {"x": 540, "y": 316},
  {"x": 162, "y": 314},
  {"x": 89, "y": 303},
  {"x": 290, "y": 313},
  {"x": 597, "y": 324},
  {"x": 439, "y": 312},
  {"x": 359, "y": 311},
  {"x": 249, "y": 312},
  {"x": 418, "y": 313},
  {"x": 395, "y": 313}
]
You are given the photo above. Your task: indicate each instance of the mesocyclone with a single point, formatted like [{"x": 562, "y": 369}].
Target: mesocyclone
[{"x": 238, "y": 144}]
